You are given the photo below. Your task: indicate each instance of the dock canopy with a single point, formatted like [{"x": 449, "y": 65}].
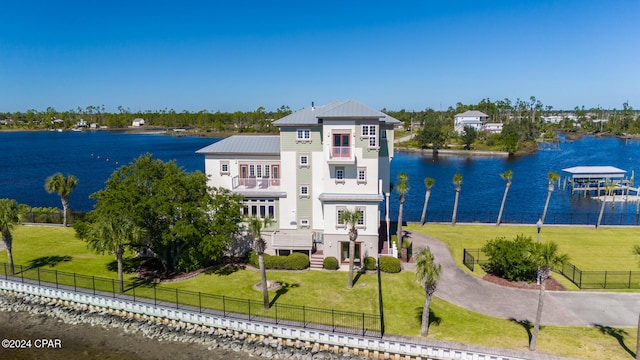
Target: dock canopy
[{"x": 595, "y": 172}]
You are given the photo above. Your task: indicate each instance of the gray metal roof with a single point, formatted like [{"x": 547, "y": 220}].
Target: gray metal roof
[
  {"x": 595, "y": 172},
  {"x": 245, "y": 144},
  {"x": 337, "y": 110},
  {"x": 350, "y": 197},
  {"x": 473, "y": 113}
]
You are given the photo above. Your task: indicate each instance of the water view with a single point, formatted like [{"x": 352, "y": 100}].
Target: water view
[{"x": 28, "y": 158}]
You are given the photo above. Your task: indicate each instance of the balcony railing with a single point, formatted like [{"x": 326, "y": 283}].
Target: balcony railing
[
  {"x": 255, "y": 183},
  {"x": 341, "y": 153}
]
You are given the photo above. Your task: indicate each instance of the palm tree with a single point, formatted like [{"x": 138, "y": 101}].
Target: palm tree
[
  {"x": 506, "y": 176},
  {"x": 402, "y": 188},
  {"x": 259, "y": 246},
  {"x": 8, "y": 217},
  {"x": 553, "y": 177},
  {"x": 428, "y": 274},
  {"x": 113, "y": 234},
  {"x": 607, "y": 190},
  {"x": 428, "y": 182},
  {"x": 351, "y": 218},
  {"x": 457, "y": 181},
  {"x": 63, "y": 186},
  {"x": 547, "y": 257}
]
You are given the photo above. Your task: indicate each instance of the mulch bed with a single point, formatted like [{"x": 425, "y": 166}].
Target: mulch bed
[{"x": 550, "y": 283}]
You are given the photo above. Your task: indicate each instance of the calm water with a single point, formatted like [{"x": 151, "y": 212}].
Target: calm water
[{"x": 28, "y": 158}]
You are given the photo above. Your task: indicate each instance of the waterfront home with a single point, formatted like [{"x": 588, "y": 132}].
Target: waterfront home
[
  {"x": 492, "y": 128},
  {"x": 471, "y": 118},
  {"x": 326, "y": 159}
]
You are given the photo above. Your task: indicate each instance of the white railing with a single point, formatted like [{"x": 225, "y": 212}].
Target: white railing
[{"x": 255, "y": 183}]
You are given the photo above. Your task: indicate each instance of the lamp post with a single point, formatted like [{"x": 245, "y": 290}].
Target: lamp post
[{"x": 539, "y": 226}]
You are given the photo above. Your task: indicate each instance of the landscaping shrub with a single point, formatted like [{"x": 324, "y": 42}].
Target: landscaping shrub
[
  {"x": 510, "y": 259},
  {"x": 389, "y": 264},
  {"x": 370, "y": 263},
  {"x": 293, "y": 261},
  {"x": 330, "y": 263}
]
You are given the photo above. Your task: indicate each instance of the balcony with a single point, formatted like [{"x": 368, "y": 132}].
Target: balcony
[
  {"x": 341, "y": 154},
  {"x": 255, "y": 184}
]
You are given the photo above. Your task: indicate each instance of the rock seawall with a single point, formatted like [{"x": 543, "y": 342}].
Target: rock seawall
[{"x": 164, "y": 330}]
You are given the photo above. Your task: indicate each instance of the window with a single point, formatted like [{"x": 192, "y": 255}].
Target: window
[
  {"x": 304, "y": 190},
  {"x": 267, "y": 169},
  {"x": 383, "y": 134},
  {"x": 339, "y": 175},
  {"x": 362, "y": 175},
  {"x": 224, "y": 167},
  {"x": 304, "y": 160},
  {"x": 303, "y": 135},
  {"x": 339, "y": 221},
  {"x": 370, "y": 132},
  {"x": 344, "y": 253},
  {"x": 304, "y": 222},
  {"x": 262, "y": 208},
  {"x": 259, "y": 171},
  {"x": 252, "y": 171},
  {"x": 360, "y": 223}
]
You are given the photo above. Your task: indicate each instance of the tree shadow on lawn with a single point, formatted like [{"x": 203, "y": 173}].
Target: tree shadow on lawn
[
  {"x": 50, "y": 261},
  {"x": 527, "y": 326},
  {"x": 284, "y": 288},
  {"x": 139, "y": 282},
  {"x": 129, "y": 265},
  {"x": 618, "y": 334},
  {"x": 433, "y": 318}
]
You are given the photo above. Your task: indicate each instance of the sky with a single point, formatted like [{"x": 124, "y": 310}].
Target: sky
[{"x": 240, "y": 55}]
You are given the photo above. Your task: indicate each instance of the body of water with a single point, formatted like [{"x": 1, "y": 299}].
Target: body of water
[{"x": 28, "y": 158}]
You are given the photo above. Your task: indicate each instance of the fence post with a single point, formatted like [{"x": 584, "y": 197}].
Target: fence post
[
  {"x": 629, "y": 287},
  {"x": 363, "y": 327},
  {"x": 155, "y": 298},
  {"x": 21, "y": 273},
  {"x": 93, "y": 281},
  {"x": 113, "y": 288},
  {"x": 249, "y": 308},
  {"x": 56, "y": 272},
  {"x": 304, "y": 317},
  {"x": 200, "y": 301},
  {"x": 605, "y": 280},
  {"x": 276, "y": 310},
  {"x": 74, "y": 282},
  {"x": 224, "y": 307},
  {"x": 38, "y": 270},
  {"x": 333, "y": 322},
  {"x": 6, "y": 275},
  {"x": 177, "y": 304}
]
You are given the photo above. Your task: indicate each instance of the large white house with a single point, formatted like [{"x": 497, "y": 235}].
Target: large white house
[
  {"x": 326, "y": 159},
  {"x": 472, "y": 118}
]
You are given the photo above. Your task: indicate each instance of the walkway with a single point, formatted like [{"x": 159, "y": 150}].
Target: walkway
[{"x": 567, "y": 308}]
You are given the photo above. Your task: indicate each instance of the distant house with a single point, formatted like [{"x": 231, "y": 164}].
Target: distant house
[
  {"x": 81, "y": 123},
  {"x": 472, "y": 118},
  {"x": 137, "y": 122},
  {"x": 492, "y": 128}
]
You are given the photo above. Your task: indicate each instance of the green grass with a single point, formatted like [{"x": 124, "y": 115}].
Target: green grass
[
  {"x": 403, "y": 297},
  {"x": 606, "y": 248}
]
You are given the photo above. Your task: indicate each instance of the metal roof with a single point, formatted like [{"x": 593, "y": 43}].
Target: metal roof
[
  {"x": 337, "y": 110},
  {"x": 350, "y": 197},
  {"x": 595, "y": 172},
  {"x": 245, "y": 144},
  {"x": 473, "y": 113}
]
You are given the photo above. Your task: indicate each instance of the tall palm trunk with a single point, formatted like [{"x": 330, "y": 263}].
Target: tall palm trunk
[
  {"x": 546, "y": 204},
  {"x": 352, "y": 255},
  {"x": 8, "y": 242},
  {"x": 504, "y": 199},
  {"x": 65, "y": 207},
  {"x": 424, "y": 208},
  {"x": 263, "y": 274},
  {"x": 425, "y": 316},
  {"x": 638, "y": 340},
  {"x": 536, "y": 327},
  {"x": 604, "y": 201},
  {"x": 119, "y": 254},
  {"x": 400, "y": 212},
  {"x": 455, "y": 207}
]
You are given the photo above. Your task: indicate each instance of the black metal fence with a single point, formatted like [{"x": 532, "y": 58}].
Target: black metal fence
[
  {"x": 591, "y": 279},
  {"x": 601, "y": 279},
  {"x": 151, "y": 293},
  {"x": 489, "y": 217}
]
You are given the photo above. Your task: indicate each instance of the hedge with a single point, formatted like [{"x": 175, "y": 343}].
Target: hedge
[
  {"x": 389, "y": 264},
  {"x": 330, "y": 263},
  {"x": 293, "y": 261},
  {"x": 370, "y": 263}
]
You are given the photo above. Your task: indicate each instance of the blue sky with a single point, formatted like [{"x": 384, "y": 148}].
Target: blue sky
[{"x": 239, "y": 55}]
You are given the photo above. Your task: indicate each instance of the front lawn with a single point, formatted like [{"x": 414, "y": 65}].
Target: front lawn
[{"x": 403, "y": 298}]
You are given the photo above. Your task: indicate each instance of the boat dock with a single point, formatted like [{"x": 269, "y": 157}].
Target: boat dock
[{"x": 606, "y": 183}]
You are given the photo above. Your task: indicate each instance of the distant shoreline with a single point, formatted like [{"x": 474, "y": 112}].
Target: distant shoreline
[
  {"x": 470, "y": 153},
  {"x": 147, "y": 131}
]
